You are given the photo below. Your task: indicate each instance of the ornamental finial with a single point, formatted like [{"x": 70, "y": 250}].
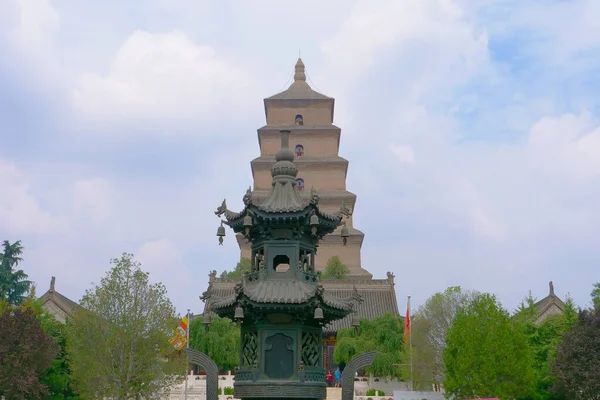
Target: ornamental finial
[{"x": 299, "y": 75}]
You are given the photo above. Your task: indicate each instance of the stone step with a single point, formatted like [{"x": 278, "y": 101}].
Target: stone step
[{"x": 334, "y": 393}]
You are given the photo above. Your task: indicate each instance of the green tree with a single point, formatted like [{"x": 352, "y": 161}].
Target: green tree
[
  {"x": 13, "y": 283},
  {"x": 596, "y": 296},
  {"x": 221, "y": 342},
  {"x": 26, "y": 353},
  {"x": 577, "y": 364},
  {"x": 335, "y": 269},
  {"x": 383, "y": 333},
  {"x": 58, "y": 377},
  {"x": 241, "y": 268},
  {"x": 486, "y": 355},
  {"x": 119, "y": 342},
  {"x": 544, "y": 340},
  {"x": 430, "y": 324}
]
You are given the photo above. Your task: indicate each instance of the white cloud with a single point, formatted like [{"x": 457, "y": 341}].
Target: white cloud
[
  {"x": 93, "y": 200},
  {"x": 405, "y": 154},
  {"x": 566, "y": 145},
  {"x": 447, "y": 45},
  {"x": 164, "y": 261},
  {"x": 163, "y": 77},
  {"x": 20, "y": 211},
  {"x": 560, "y": 29},
  {"x": 37, "y": 22}
]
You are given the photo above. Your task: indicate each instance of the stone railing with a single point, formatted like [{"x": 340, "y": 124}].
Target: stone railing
[
  {"x": 197, "y": 386},
  {"x": 313, "y": 374},
  {"x": 373, "y": 397}
]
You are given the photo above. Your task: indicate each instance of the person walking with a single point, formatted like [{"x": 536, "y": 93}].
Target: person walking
[
  {"x": 338, "y": 377},
  {"x": 329, "y": 379}
]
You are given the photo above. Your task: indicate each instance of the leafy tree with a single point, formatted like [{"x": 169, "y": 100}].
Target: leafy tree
[
  {"x": 596, "y": 296},
  {"x": 26, "y": 353},
  {"x": 221, "y": 342},
  {"x": 335, "y": 269},
  {"x": 383, "y": 333},
  {"x": 13, "y": 283},
  {"x": 58, "y": 377},
  {"x": 577, "y": 364},
  {"x": 486, "y": 355},
  {"x": 430, "y": 324},
  {"x": 119, "y": 342},
  {"x": 544, "y": 340},
  {"x": 241, "y": 268}
]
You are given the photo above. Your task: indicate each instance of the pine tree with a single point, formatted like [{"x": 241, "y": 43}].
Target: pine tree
[{"x": 13, "y": 283}]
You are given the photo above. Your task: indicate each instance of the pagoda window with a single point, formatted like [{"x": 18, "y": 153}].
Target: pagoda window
[
  {"x": 299, "y": 119},
  {"x": 299, "y": 151},
  {"x": 281, "y": 263},
  {"x": 300, "y": 183}
]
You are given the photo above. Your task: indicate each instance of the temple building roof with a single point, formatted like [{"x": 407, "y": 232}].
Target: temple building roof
[
  {"x": 549, "y": 305},
  {"x": 299, "y": 90},
  {"x": 378, "y": 297},
  {"x": 61, "y": 307}
]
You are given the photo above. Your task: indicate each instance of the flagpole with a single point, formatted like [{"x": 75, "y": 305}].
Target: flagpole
[
  {"x": 187, "y": 344},
  {"x": 412, "y": 384}
]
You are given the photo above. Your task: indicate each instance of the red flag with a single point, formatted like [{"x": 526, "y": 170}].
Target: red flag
[{"x": 407, "y": 321}]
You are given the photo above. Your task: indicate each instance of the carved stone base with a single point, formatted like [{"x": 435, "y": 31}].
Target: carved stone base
[{"x": 279, "y": 390}]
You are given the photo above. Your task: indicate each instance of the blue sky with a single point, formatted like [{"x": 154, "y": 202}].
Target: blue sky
[{"x": 472, "y": 130}]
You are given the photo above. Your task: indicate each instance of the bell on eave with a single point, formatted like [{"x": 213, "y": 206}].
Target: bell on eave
[
  {"x": 345, "y": 234},
  {"x": 206, "y": 320},
  {"x": 247, "y": 224},
  {"x": 239, "y": 313},
  {"x": 318, "y": 314},
  {"x": 221, "y": 233},
  {"x": 314, "y": 223},
  {"x": 355, "y": 321}
]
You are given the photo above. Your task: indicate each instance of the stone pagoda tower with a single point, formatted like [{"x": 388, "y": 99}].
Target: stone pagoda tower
[
  {"x": 280, "y": 304},
  {"x": 315, "y": 142}
]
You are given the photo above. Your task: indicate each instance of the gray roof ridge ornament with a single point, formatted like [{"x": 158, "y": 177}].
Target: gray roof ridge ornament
[{"x": 284, "y": 195}]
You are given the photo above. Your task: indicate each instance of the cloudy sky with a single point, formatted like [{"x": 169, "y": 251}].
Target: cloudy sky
[{"x": 472, "y": 128}]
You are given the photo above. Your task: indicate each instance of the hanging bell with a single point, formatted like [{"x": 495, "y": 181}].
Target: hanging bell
[
  {"x": 355, "y": 321},
  {"x": 247, "y": 224},
  {"x": 239, "y": 313},
  {"x": 345, "y": 234},
  {"x": 318, "y": 314},
  {"x": 206, "y": 321},
  {"x": 314, "y": 223},
  {"x": 221, "y": 233}
]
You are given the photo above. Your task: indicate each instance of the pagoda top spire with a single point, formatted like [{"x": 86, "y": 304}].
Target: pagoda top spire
[
  {"x": 300, "y": 75},
  {"x": 299, "y": 89}
]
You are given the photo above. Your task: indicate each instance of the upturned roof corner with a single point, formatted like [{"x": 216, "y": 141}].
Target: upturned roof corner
[{"x": 283, "y": 203}]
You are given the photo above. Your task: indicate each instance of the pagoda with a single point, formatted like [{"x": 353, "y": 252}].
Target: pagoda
[
  {"x": 315, "y": 141},
  {"x": 280, "y": 304}
]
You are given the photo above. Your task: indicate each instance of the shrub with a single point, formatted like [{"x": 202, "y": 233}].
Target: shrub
[{"x": 228, "y": 391}]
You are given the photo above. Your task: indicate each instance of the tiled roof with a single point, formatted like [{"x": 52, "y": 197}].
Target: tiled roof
[
  {"x": 299, "y": 91},
  {"x": 294, "y": 292},
  {"x": 63, "y": 302},
  {"x": 378, "y": 296},
  {"x": 274, "y": 291},
  {"x": 375, "y": 303}
]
